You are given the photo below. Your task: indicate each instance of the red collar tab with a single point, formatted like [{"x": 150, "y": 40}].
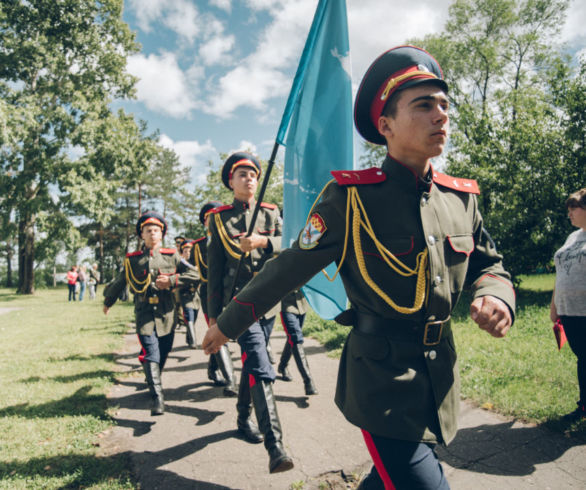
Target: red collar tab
[
  {"x": 391, "y": 84},
  {"x": 167, "y": 250},
  {"x": 199, "y": 239},
  {"x": 268, "y": 205},
  {"x": 464, "y": 185},
  {"x": 134, "y": 254},
  {"x": 373, "y": 175},
  {"x": 221, "y": 208}
]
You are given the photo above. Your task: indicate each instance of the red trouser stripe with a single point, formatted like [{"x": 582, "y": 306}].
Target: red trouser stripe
[
  {"x": 378, "y": 462},
  {"x": 285, "y": 328},
  {"x": 142, "y": 352},
  {"x": 251, "y": 378},
  {"x": 207, "y": 319}
]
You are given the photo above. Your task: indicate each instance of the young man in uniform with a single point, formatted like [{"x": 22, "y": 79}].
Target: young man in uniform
[
  {"x": 294, "y": 306},
  {"x": 190, "y": 302},
  {"x": 153, "y": 274},
  {"x": 227, "y": 245},
  {"x": 220, "y": 366},
  {"x": 405, "y": 238}
]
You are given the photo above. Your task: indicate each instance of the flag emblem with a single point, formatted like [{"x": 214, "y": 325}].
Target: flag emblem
[{"x": 312, "y": 232}]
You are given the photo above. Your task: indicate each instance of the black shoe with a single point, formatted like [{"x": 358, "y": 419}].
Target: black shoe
[
  {"x": 285, "y": 373},
  {"x": 249, "y": 431},
  {"x": 279, "y": 461},
  {"x": 153, "y": 375},
  {"x": 303, "y": 366}
]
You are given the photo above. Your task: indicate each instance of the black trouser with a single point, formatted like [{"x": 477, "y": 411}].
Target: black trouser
[
  {"x": 403, "y": 465},
  {"x": 575, "y": 328}
]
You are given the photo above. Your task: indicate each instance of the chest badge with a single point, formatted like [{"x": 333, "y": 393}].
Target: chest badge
[{"x": 313, "y": 231}]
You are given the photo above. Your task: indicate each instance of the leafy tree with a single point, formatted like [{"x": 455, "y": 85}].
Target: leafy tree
[{"x": 61, "y": 63}]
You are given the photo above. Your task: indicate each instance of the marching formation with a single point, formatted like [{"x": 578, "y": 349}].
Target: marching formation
[{"x": 405, "y": 239}]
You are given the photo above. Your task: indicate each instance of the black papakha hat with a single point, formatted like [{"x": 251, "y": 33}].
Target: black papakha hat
[
  {"x": 206, "y": 208},
  {"x": 397, "y": 69},
  {"x": 239, "y": 159},
  {"x": 151, "y": 218}
]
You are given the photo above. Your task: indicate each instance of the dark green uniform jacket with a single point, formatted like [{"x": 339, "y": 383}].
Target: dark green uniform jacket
[
  {"x": 394, "y": 382},
  {"x": 152, "y": 307},
  {"x": 227, "y": 224},
  {"x": 295, "y": 303}
]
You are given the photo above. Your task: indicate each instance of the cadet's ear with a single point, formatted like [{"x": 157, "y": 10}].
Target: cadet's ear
[{"x": 384, "y": 127}]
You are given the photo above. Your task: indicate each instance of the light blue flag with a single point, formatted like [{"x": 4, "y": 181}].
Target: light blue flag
[{"x": 318, "y": 116}]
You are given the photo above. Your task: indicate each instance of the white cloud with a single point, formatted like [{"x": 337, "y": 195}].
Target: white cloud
[
  {"x": 216, "y": 50},
  {"x": 181, "y": 16},
  {"x": 246, "y": 146},
  {"x": 225, "y": 5},
  {"x": 192, "y": 154},
  {"x": 162, "y": 86},
  {"x": 573, "y": 30}
]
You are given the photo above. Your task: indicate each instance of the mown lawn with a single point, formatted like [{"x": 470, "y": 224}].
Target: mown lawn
[{"x": 57, "y": 367}]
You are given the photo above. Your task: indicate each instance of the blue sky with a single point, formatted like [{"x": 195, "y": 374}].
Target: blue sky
[{"x": 215, "y": 74}]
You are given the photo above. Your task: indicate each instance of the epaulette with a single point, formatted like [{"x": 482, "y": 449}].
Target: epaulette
[
  {"x": 134, "y": 254},
  {"x": 199, "y": 239},
  {"x": 170, "y": 251},
  {"x": 465, "y": 185},
  {"x": 219, "y": 209},
  {"x": 373, "y": 175},
  {"x": 268, "y": 205}
]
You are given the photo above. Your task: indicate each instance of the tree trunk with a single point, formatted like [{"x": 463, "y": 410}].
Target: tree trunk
[
  {"x": 9, "y": 263},
  {"x": 26, "y": 254}
]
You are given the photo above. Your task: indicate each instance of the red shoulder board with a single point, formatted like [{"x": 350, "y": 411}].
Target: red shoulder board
[
  {"x": 219, "y": 209},
  {"x": 373, "y": 175},
  {"x": 134, "y": 254},
  {"x": 268, "y": 205},
  {"x": 168, "y": 250},
  {"x": 199, "y": 239},
  {"x": 463, "y": 185}
]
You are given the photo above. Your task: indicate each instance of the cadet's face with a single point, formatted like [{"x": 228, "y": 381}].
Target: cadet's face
[
  {"x": 419, "y": 130},
  {"x": 244, "y": 183},
  {"x": 185, "y": 252},
  {"x": 152, "y": 235}
]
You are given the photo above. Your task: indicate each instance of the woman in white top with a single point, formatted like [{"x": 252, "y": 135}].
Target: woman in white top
[{"x": 568, "y": 302}]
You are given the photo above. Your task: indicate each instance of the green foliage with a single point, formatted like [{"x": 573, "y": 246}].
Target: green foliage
[
  {"x": 61, "y": 64},
  {"x": 54, "y": 404}
]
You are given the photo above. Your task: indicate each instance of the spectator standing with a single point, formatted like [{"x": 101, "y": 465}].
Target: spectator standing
[
  {"x": 82, "y": 279},
  {"x": 568, "y": 302},
  {"x": 93, "y": 281},
  {"x": 72, "y": 282}
]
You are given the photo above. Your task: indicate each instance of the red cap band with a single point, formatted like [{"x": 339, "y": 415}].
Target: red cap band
[{"x": 243, "y": 163}]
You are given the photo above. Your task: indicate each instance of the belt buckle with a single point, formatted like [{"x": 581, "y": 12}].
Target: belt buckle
[
  {"x": 438, "y": 332},
  {"x": 154, "y": 300}
]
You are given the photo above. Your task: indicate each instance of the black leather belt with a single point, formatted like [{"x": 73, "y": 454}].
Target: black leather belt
[{"x": 430, "y": 333}]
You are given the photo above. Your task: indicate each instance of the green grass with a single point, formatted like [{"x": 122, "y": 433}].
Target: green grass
[
  {"x": 522, "y": 375},
  {"x": 57, "y": 367}
]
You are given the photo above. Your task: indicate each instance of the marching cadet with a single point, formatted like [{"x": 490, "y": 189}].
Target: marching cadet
[
  {"x": 405, "y": 238},
  {"x": 153, "y": 274},
  {"x": 294, "y": 306},
  {"x": 220, "y": 366},
  {"x": 227, "y": 245},
  {"x": 190, "y": 302}
]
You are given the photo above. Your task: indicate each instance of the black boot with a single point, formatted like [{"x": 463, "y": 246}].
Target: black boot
[
  {"x": 270, "y": 352},
  {"x": 270, "y": 426},
  {"x": 214, "y": 373},
  {"x": 153, "y": 376},
  {"x": 190, "y": 335},
  {"x": 225, "y": 364},
  {"x": 301, "y": 361},
  {"x": 246, "y": 427},
  {"x": 282, "y": 367}
]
